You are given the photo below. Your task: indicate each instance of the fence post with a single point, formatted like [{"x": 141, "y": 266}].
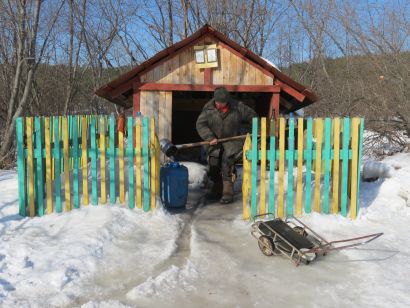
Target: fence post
[
  {"x": 336, "y": 163},
  {"x": 39, "y": 167},
  {"x": 318, "y": 162},
  {"x": 66, "y": 148},
  {"x": 112, "y": 159},
  {"x": 57, "y": 164},
  {"x": 355, "y": 167},
  {"x": 103, "y": 183},
  {"x": 345, "y": 165},
  {"x": 152, "y": 163},
  {"x": 281, "y": 167},
  {"x": 272, "y": 161},
  {"x": 130, "y": 154},
  {"x": 20, "y": 166},
  {"x": 246, "y": 177},
  {"x": 138, "y": 177},
  {"x": 84, "y": 148},
  {"x": 299, "y": 187},
  {"x": 254, "y": 158},
  {"x": 291, "y": 157},
  {"x": 308, "y": 198},
  {"x": 94, "y": 196},
  {"x": 145, "y": 157},
  {"x": 76, "y": 197},
  {"x": 262, "y": 199},
  {"x": 327, "y": 158},
  {"x": 30, "y": 174}
]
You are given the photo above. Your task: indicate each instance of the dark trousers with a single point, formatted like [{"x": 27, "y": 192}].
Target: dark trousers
[{"x": 221, "y": 167}]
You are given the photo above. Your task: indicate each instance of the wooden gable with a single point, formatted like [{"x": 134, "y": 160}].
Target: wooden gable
[{"x": 182, "y": 69}]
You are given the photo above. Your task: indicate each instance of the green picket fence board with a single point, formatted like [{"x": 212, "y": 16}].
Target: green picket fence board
[
  {"x": 145, "y": 159},
  {"x": 76, "y": 153},
  {"x": 359, "y": 161},
  {"x": 93, "y": 155},
  {"x": 57, "y": 164},
  {"x": 130, "y": 154},
  {"x": 271, "y": 158},
  {"x": 345, "y": 165},
  {"x": 327, "y": 160},
  {"x": 111, "y": 154},
  {"x": 290, "y": 158},
  {"x": 254, "y": 166},
  {"x": 39, "y": 167},
  {"x": 20, "y": 166},
  {"x": 308, "y": 155}
]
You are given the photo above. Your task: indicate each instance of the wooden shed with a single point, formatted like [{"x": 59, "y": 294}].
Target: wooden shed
[{"x": 174, "y": 85}]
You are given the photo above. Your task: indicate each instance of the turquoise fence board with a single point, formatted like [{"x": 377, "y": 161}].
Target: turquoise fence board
[
  {"x": 326, "y": 158},
  {"x": 344, "y": 155},
  {"x": 93, "y": 153},
  {"x": 111, "y": 155},
  {"x": 57, "y": 164},
  {"x": 39, "y": 167},
  {"x": 130, "y": 154},
  {"x": 76, "y": 197},
  {"x": 308, "y": 155},
  {"x": 254, "y": 166},
  {"x": 291, "y": 157},
  {"x": 360, "y": 160},
  {"x": 271, "y": 158},
  {"x": 145, "y": 159},
  {"x": 20, "y": 166}
]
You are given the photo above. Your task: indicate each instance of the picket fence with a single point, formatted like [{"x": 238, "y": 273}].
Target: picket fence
[
  {"x": 329, "y": 150},
  {"x": 56, "y": 150}
]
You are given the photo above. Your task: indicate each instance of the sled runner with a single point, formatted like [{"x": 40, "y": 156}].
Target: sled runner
[{"x": 298, "y": 242}]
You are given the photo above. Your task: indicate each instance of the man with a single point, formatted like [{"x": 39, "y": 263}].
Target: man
[{"x": 222, "y": 117}]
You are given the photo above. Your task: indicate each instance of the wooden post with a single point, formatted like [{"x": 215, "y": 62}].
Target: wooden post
[{"x": 136, "y": 102}]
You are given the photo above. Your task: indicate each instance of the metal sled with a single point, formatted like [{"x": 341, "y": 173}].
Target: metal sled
[{"x": 298, "y": 242}]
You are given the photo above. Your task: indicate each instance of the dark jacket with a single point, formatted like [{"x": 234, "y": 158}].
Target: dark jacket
[{"x": 213, "y": 123}]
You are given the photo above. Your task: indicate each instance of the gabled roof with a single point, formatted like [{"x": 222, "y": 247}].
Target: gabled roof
[{"x": 125, "y": 82}]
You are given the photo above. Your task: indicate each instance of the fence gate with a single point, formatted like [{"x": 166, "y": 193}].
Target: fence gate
[
  {"x": 61, "y": 160},
  {"x": 318, "y": 168}
]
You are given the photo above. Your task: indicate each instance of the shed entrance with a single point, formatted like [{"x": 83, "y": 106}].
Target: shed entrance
[{"x": 186, "y": 107}]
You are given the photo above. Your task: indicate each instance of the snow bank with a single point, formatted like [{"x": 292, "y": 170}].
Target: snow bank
[{"x": 48, "y": 261}]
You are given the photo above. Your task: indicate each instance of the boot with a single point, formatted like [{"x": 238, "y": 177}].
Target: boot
[
  {"x": 227, "y": 194},
  {"x": 215, "y": 192}
]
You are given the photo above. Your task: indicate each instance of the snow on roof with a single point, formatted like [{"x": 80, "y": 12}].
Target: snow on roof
[{"x": 271, "y": 63}]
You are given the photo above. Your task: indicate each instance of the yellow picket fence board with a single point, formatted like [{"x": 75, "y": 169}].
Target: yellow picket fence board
[
  {"x": 66, "y": 149},
  {"x": 49, "y": 189},
  {"x": 30, "y": 166},
  {"x": 336, "y": 163},
  {"x": 138, "y": 160},
  {"x": 157, "y": 164},
  {"x": 152, "y": 163},
  {"x": 84, "y": 159},
  {"x": 103, "y": 185},
  {"x": 299, "y": 186},
  {"x": 281, "y": 167},
  {"x": 318, "y": 162},
  {"x": 354, "y": 168},
  {"x": 246, "y": 181},
  {"x": 262, "y": 199},
  {"x": 121, "y": 166}
]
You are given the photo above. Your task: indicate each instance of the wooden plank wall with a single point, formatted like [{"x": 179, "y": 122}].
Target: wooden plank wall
[
  {"x": 181, "y": 69},
  {"x": 158, "y": 104}
]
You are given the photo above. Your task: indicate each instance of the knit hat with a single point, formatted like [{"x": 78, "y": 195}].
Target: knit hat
[{"x": 221, "y": 95}]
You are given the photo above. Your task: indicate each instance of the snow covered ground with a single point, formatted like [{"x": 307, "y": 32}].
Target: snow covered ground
[{"x": 110, "y": 256}]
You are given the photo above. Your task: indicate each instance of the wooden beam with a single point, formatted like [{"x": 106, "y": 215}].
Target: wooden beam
[
  {"x": 208, "y": 76},
  {"x": 291, "y": 91},
  {"x": 274, "y": 106},
  {"x": 136, "y": 101},
  {"x": 206, "y": 88}
]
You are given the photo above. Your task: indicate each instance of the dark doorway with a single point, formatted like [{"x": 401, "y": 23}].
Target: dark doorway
[{"x": 186, "y": 107}]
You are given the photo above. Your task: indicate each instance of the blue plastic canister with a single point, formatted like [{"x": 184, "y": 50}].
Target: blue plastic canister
[{"x": 174, "y": 185}]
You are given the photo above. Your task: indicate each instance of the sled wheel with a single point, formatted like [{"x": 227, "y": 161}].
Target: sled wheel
[
  {"x": 266, "y": 245},
  {"x": 300, "y": 230}
]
